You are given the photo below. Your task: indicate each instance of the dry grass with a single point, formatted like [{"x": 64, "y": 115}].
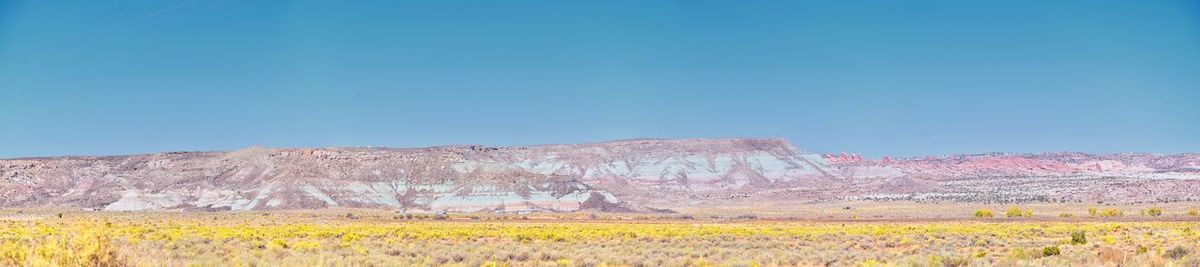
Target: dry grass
[{"x": 383, "y": 239}]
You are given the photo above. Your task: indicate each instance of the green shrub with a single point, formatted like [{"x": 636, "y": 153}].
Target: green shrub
[
  {"x": 983, "y": 213},
  {"x": 1078, "y": 238},
  {"x": 1013, "y": 212},
  {"x": 1051, "y": 251}
]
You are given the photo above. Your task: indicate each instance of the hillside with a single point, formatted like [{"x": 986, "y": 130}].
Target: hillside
[
  {"x": 451, "y": 178},
  {"x": 620, "y": 176}
]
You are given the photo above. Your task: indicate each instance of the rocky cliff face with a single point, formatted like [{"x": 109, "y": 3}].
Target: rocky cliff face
[
  {"x": 453, "y": 178},
  {"x": 629, "y": 175},
  {"x": 1058, "y": 177}
]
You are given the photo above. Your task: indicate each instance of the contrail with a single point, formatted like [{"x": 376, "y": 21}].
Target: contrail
[
  {"x": 151, "y": 15},
  {"x": 131, "y": 24},
  {"x": 180, "y": 15}
]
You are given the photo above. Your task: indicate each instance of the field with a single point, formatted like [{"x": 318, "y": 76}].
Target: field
[{"x": 377, "y": 238}]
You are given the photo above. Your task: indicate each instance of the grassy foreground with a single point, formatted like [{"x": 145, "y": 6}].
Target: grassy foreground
[{"x": 304, "y": 239}]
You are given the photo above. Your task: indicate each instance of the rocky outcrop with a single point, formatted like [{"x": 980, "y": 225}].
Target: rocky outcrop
[
  {"x": 627, "y": 176},
  {"x": 1047, "y": 177},
  {"x": 451, "y": 178}
]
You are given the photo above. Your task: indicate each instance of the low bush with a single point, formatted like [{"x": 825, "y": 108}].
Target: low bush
[
  {"x": 1013, "y": 212},
  {"x": 1078, "y": 238},
  {"x": 1051, "y": 251},
  {"x": 983, "y": 213},
  {"x": 1154, "y": 212},
  {"x": 1111, "y": 213},
  {"x": 1176, "y": 253}
]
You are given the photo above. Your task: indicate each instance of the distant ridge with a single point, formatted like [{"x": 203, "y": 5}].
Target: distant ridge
[{"x": 632, "y": 175}]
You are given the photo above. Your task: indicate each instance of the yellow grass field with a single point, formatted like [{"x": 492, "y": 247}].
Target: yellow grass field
[{"x": 365, "y": 238}]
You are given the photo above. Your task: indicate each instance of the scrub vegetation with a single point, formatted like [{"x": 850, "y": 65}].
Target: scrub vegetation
[{"x": 388, "y": 239}]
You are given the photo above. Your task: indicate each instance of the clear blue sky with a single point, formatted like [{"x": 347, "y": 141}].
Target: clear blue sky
[{"x": 899, "y": 78}]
